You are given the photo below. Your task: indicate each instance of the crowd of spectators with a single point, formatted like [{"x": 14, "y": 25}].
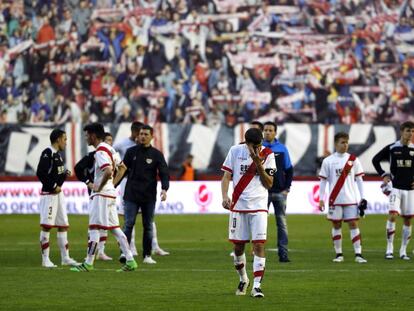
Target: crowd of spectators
[{"x": 206, "y": 62}]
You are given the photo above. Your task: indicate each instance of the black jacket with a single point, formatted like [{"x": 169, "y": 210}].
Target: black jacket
[
  {"x": 51, "y": 170},
  {"x": 144, "y": 165},
  {"x": 84, "y": 169},
  {"x": 401, "y": 160}
]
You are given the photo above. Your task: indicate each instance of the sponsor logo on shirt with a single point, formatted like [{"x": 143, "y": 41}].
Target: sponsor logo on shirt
[{"x": 149, "y": 161}]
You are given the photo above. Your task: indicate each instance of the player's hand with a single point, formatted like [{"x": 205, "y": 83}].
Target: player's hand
[
  {"x": 90, "y": 186},
  {"x": 226, "y": 203},
  {"x": 386, "y": 179},
  {"x": 254, "y": 154},
  {"x": 96, "y": 188},
  {"x": 163, "y": 195},
  {"x": 321, "y": 205},
  {"x": 68, "y": 173},
  {"x": 58, "y": 189}
]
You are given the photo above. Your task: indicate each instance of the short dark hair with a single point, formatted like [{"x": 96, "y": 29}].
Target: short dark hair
[
  {"x": 148, "y": 128},
  {"x": 407, "y": 125},
  {"x": 106, "y": 134},
  {"x": 136, "y": 126},
  {"x": 340, "y": 135},
  {"x": 95, "y": 128},
  {"x": 271, "y": 124},
  {"x": 258, "y": 124},
  {"x": 55, "y": 135},
  {"x": 253, "y": 136}
]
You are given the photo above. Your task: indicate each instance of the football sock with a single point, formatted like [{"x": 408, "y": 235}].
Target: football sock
[
  {"x": 103, "y": 236},
  {"x": 44, "y": 243},
  {"x": 132, "y": 243},
  {"x": 390, "y": 227},
  {"x": 92, "y": 246},
  {"x": 240, "y": 265},
  {"x": 154, "y": 237},
  {"x": 356, "y": 240},
  {"x": 337, "y": 240},
  {"x": 62, "y": 240},
  {"x": 406, "y": 236},
  {"x": 259, "y": 264},
  {"x": 123, "y": 243}
]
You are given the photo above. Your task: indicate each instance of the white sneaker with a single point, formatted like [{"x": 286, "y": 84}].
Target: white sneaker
[
  {"x": 149, "y": 260},
  {"x": 338, "y": 258},
  {"x": 360, "y": 259},
  {"x": 389, "y": 256},
  {"x": 70, "y": 262},
  {"x": 242, "y": 288},
  {"x": 48, "y": 264},
  {"x": 257, "y": 292},
  {"x": 160, "y": 252},
  {"x": 103, "y": 257},
  {"x": 405, "y": 257}
]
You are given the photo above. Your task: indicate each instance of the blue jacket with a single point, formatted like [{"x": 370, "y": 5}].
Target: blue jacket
[{"x": 284, "y": 175}]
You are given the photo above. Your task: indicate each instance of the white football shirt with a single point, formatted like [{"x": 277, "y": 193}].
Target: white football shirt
[
  {"x": 237, "y": 162},
  {"x": 331, "y": 170},
  {"x": 105, "y": 156}
]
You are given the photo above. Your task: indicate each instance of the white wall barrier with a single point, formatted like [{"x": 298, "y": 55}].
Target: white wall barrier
[{"x": 200, "y": 197}]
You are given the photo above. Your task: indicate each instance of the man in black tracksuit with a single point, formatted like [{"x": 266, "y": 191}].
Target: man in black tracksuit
[
  {"x": 52, "y": 174},
  {"x": 143, "y": 163},
  {"x": 400, "y": 155}
]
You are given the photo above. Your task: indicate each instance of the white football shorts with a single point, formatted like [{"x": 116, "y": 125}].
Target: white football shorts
[
  {"x": 103, "y": 213},
  {"x": 343, "y": 213},
  {"x": 53, "y": 211},
  {"x": 402, "y": 202},
  {"x": 244, "y": 227}
]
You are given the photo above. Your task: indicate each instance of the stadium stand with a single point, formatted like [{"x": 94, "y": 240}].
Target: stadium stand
[{"x": 206, "y": 62}]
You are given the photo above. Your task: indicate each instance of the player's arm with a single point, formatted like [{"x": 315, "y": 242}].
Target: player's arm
[
  {"x": 225, "y": 182},
  {"x": 44, "y": 168},
  {"x": 382, "y": 155},
  {"x": 265, "y": 178},
  {"x": 107, "y": 174},
  {"x": 323, "y": 176},
  {"x": 122, "y": 169},
  {"x": 164, "y": 175}
]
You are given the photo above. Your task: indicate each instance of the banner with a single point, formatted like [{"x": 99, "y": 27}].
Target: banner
[
  {"x": 199, "y": 197},
  {"x": 21, "y": 145}
]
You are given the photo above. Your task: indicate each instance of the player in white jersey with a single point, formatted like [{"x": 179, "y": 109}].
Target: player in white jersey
[
  {"x": 102, "y": 204},
  {"x": 251, "y": 168},
  {"x": 121, "y": 147},
  {"x": 343, "y": 172}
]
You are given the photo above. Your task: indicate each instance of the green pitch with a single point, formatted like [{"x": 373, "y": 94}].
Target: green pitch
[{"x": 199, "y": 274}]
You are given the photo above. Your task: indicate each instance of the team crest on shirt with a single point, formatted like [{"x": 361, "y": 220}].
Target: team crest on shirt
[
  {"x": 412, "y": 153},
  {"x": 350, "y": 163},
  {"x": 149, "y": 161}
]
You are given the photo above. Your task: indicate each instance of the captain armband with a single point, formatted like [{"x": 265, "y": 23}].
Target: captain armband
[{"x": 270, "y": 171}]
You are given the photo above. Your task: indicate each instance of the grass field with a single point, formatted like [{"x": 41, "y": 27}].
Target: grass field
[{"x": 199, "y": 274}]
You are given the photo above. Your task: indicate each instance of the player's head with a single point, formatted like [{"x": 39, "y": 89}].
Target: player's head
[
  {"x": 135, "y": 127},
  {"x": 58, "y": 139},
  {"x": 341, "y": 141},
  {"x": 269, "y": 131},
  {"x": 145, "y": 135},
  {"x": 254, "y": 137},
  {"x": 407, "y": 132},
  {"x": 108, "y": 138},
  {"x": 94, "y": 133},
  {"x": 256, "y": 125}
]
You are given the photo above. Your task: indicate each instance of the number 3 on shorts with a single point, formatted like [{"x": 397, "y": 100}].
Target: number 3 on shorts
[
  {"x": 234, "y": 222},
  {"x": 50, "y": 210}
]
